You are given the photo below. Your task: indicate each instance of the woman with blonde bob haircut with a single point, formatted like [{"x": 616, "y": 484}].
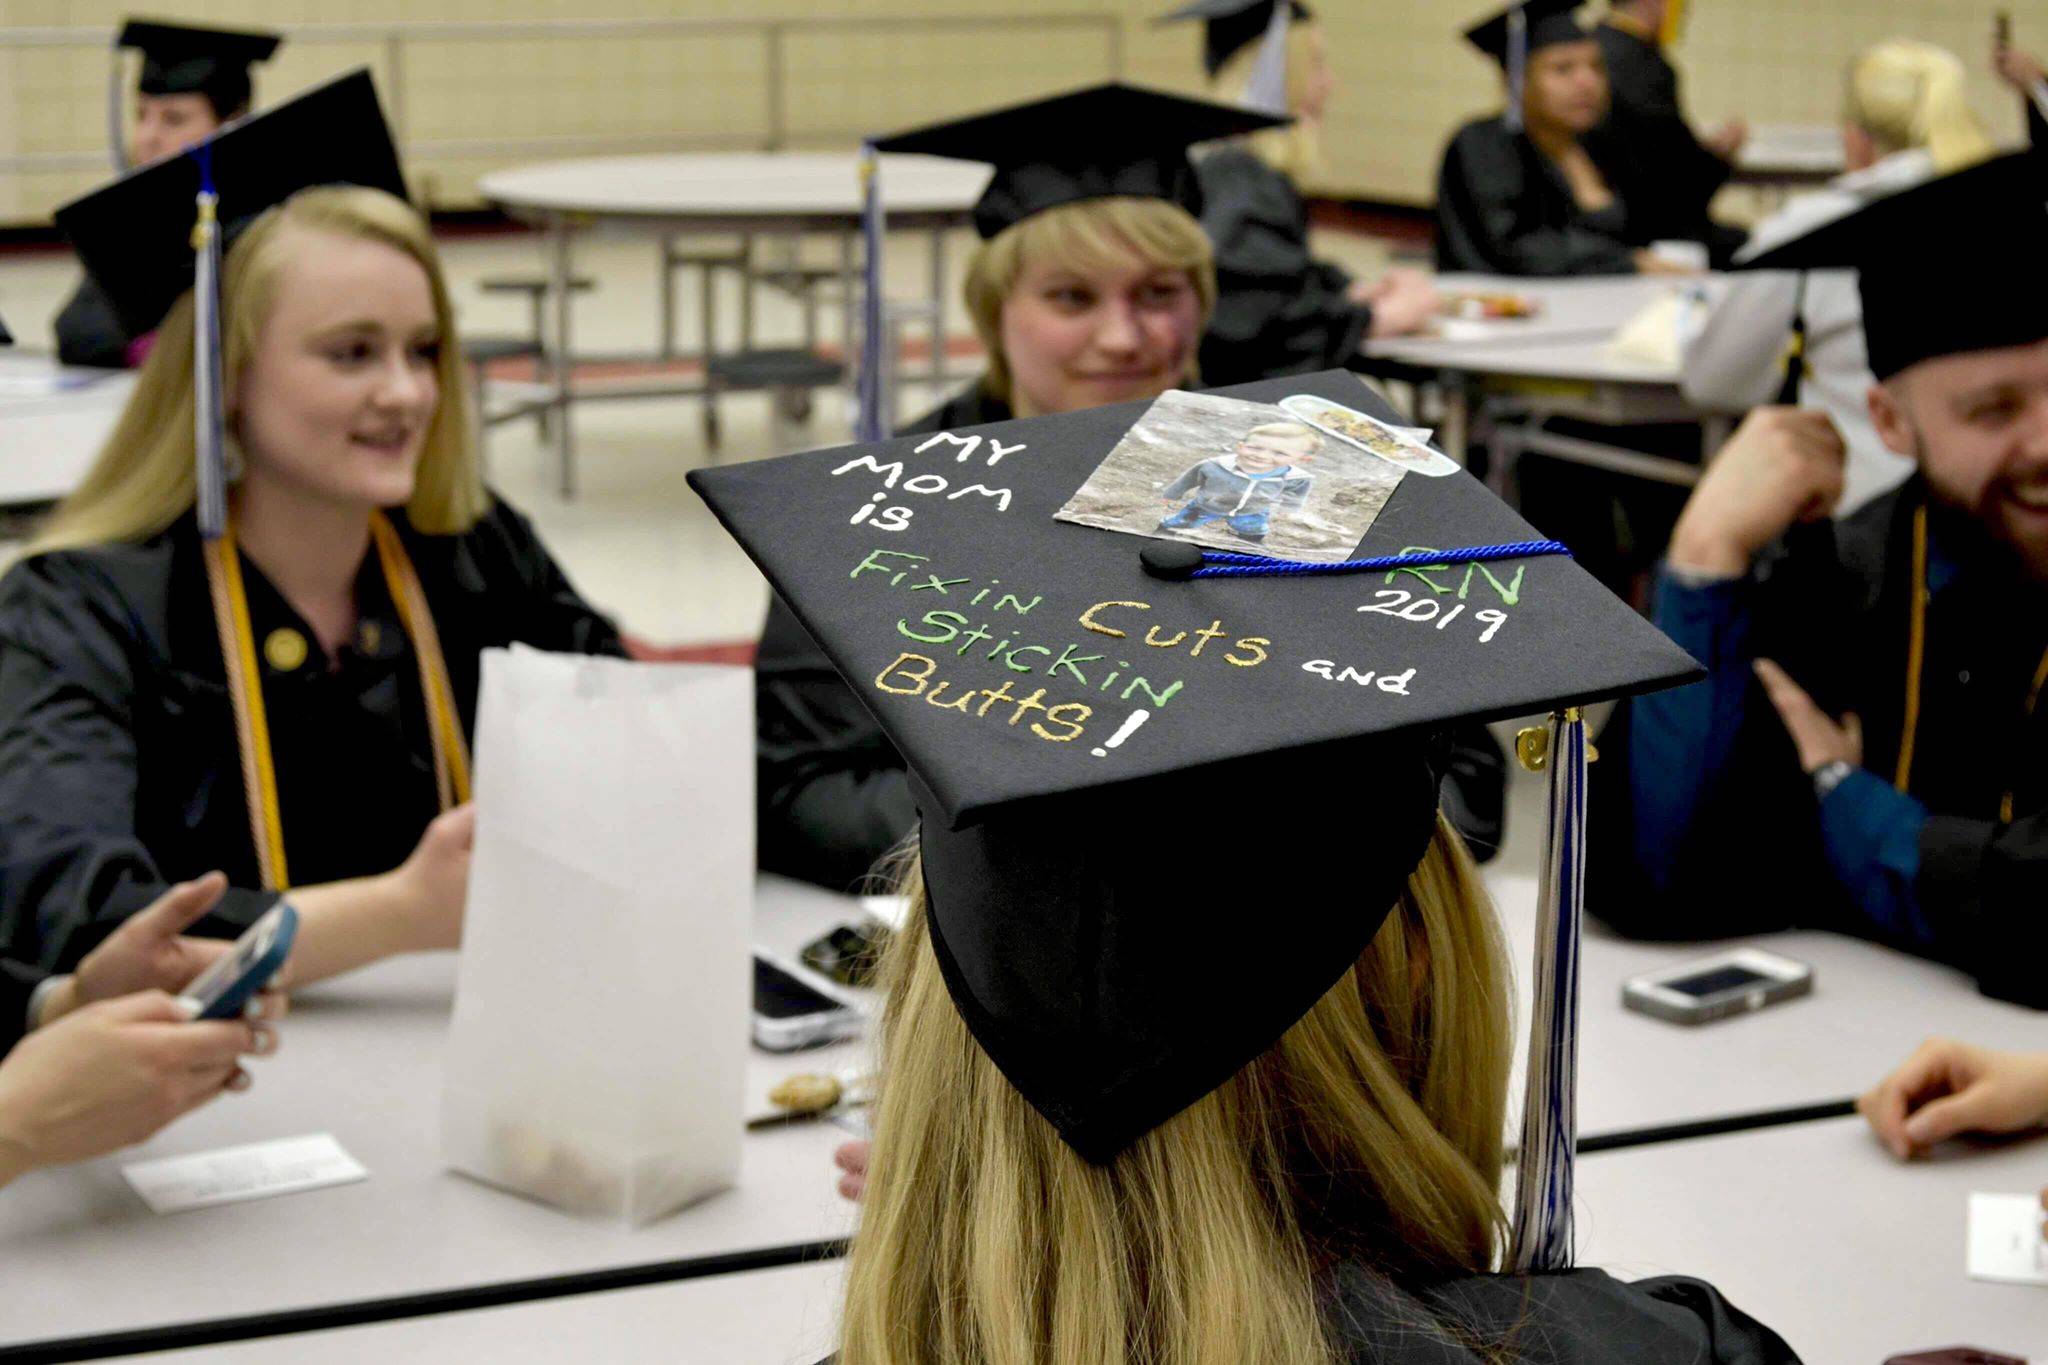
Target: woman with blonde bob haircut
[
  {"x": 289, "y": 702},
  {"x": 1092, "y": 285},
  {"x": 1905, "y": 120}
]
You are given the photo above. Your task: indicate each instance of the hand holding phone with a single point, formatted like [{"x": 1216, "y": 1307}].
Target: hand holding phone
[{"x": 223, "y": 990}]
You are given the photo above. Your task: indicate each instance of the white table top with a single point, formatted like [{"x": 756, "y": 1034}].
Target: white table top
[
  {"x": 1870, "y": 1007},
  {"x": 735, "y": 185},
  {"x": 1816, "y": 1231},
  {"x": 1567, "y": 340},
  {"x": 53, "y": 422},
  {"x": 362, "y": 1058},
  {"x": 765, "y": 1317}
]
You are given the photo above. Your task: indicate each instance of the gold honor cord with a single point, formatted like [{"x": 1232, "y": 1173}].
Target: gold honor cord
[
  {"x": 245, "y": 689},
  {"x": 1916, "y": 646}
]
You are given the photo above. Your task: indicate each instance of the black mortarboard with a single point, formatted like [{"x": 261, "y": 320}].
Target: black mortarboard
[
  {"x": 135, "y": 235},
  {"x": 1230, "y": 26},
  {"x": 1952, "y": 265},
  {"x": 1547, "y": 22},
  {"x": 1106, "y": 140},
  {"x": 1138, "y": 792},
  {"x": 180, "y": 60}
]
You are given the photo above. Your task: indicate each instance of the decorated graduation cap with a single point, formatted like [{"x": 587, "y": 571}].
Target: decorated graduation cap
[
  {"x": 1511, "y": 35},
  {"x": 1110, "y": 140},
  {"x": 178, "y": 59},
  {"x": 1991, "y": 288},
  {"x": 1088, "y": 725},
  {"x": 160, "y": 230},
  {"x": 1231, "y": 26}
]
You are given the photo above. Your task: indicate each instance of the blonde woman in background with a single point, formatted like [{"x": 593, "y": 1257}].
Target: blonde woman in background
[
  {"x": 290, "y": 703},
  {"x": 1279, "y": 310},
  {"x": 1906, "y": 119},
  {"x": 1090, "y": 287}
]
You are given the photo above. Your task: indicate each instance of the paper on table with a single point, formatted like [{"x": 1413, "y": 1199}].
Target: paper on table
[
  {"x": 2005, "y": 1239},
  {"x": 229, "y": 1175}
]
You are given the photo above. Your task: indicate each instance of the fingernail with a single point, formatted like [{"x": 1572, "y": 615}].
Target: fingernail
[
  {"x": 187, "y": 1006},
  {"x": 264, "y": 1043},
  {"x": 239, "y": 1081}
]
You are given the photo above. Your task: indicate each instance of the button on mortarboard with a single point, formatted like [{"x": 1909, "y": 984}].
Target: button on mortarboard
[
  {"x": 1118, "y": 772},
  {"x": 1548, "y": 22},
  {"x": 178, "y": 59},
  {"x": 135, "y": 235},
  {"x": 1230, "y": 26},
  {"x": 1107, "y": 140}
]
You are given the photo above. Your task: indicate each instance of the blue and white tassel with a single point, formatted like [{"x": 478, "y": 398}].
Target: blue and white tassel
[
  {"x": 870, "y": 400},
  {"x": 209, "y": 423},
  {"x": 1542, "y": 1234},
  {"x": 1518, "y": 65}
]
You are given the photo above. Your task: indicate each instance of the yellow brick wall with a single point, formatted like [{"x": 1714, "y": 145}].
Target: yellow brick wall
[{"x": 1405, "y": 79}]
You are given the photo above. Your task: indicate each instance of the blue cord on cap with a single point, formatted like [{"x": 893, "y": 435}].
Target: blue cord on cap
[{"x": 1179, "y": 560}]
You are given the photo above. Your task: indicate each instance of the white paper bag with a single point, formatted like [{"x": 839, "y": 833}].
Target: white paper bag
[{"x": 598, "y": 1052}]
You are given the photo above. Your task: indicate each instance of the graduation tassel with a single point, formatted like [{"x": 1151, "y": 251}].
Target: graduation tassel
[
  {"x": 1795, "y": 351},
  {"x": 209, "y": 435},
  {"x": 1266, "y": 91},
  {"x": 117, "y": 130},
  {"x": 1542, "y": 1234},
  {"x": 1518, "y": 65},
  {"x": 869, "y": 398}
]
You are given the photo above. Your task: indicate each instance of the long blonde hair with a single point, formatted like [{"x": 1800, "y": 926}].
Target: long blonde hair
[
  {"x": 1088, "y": 235},
  {"x": 1370, "y": 1133},
  {"x": 143, "y": 479},
  {"x": 1295, "y": 149},
  {"x": 1908, "y": 94}
]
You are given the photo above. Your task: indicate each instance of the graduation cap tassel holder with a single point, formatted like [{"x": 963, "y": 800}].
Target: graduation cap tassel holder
[
  {"x": 1541, "y": 1238},
  {"x": 868, "y": 422},
  {"x": 209, "y": 436},
  {"x": 1176, "y": 560}
]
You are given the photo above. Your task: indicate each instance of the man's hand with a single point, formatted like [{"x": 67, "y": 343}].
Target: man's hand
[
  {"x": 1948, "y": 1088},
  {"x": 2017, "y": 69},
  {"x": 1820, "y": 739},
  {"x": 1403, "y": 302},
  {"x": 1782, "y": 466},
  {"x": 1728, "y": 140}
]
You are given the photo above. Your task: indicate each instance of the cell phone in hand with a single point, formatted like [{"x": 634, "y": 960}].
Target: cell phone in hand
[{"x": 225, "y": 989}]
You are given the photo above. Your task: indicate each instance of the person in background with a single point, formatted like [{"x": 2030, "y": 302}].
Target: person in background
[
  {"x": 1870, "y": 750},
  {"x": 1686, "y": 170},
  {"x": 193, "y": 81},
  {"x": 1279, "y": 310},
  {"x": 290, "y": 701},
  {"x": 1094, "y": 291},
  {"x": 1906, "y": 119},
  {"x": 1530, "y": 191}
]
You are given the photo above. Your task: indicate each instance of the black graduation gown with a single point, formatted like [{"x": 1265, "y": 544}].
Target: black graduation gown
[
  {"x": 1577, "y": 1317},
  {"x": 1832, "y": 606},
  {"x": 88, "y": 333},
  {"x": 1682, "y": 173},
  {"x": 119, "y": 767},
  {"x": 1278, "y": 309},
  {"x": 832, "y": 795},
  {"x": 1503, "y": 208}
]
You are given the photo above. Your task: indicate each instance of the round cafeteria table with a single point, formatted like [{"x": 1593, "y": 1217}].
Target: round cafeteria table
[{"x": 725, "y": 193}]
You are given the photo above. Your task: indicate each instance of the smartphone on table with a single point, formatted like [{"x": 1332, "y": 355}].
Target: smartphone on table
[
  {"x": 1716, "y": 987},
  {"x": 794, "y": 1008}
]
